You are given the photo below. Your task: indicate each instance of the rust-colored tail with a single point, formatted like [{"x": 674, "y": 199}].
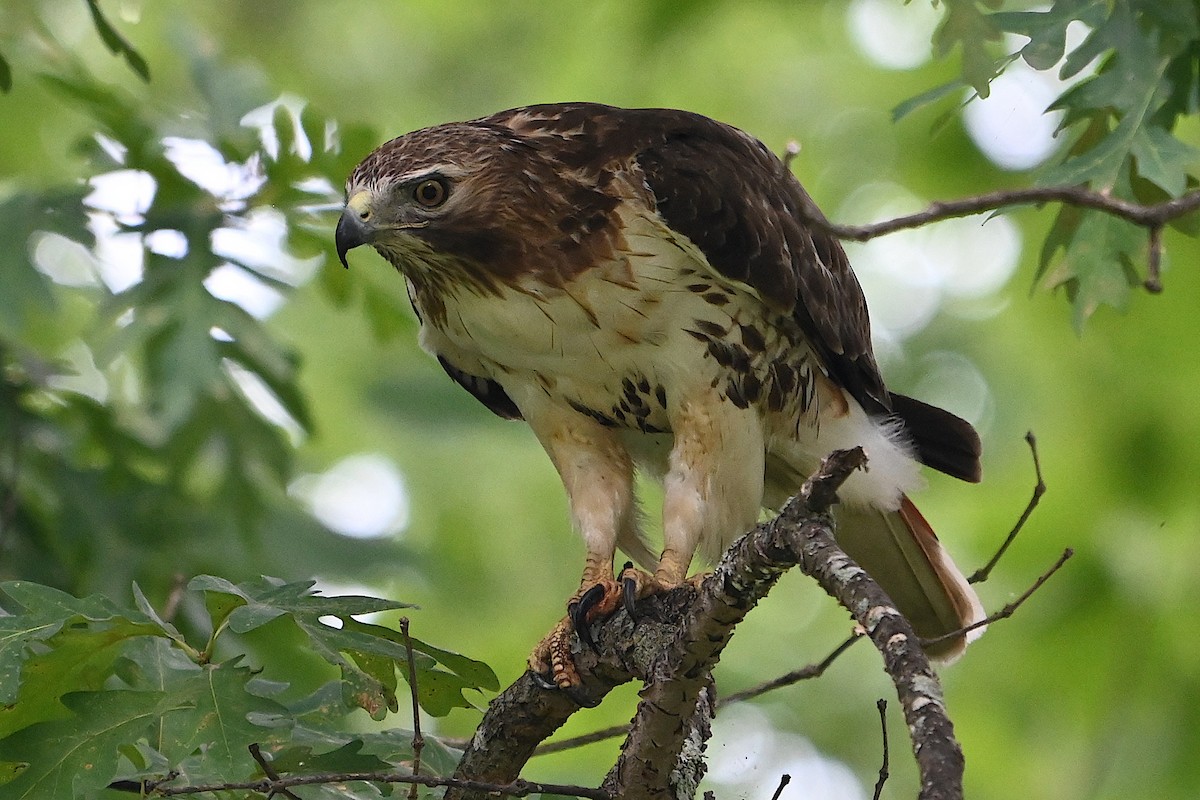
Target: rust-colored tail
[{"x": 900, "y": 550}]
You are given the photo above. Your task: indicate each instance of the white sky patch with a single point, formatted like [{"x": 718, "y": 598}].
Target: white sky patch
[
  {"x": 166, "y": 242},
  {"x": 361, "y": 496},
  {"x": 119, "y": 256},
  {"x": 891, "y": 33},
  {"x": 748, "y": 756},
  {"x": 263, "y": 120},
  {"x": 65, "y": 261},
  {"x": 79, "y": 373},
  {"x": 124, "y": 193},
  {"x": 908, "y": 275},
  {"x": 264, "y": 401},
  {"x": 203, "y": 165},
  {"x": 260, "y": 243},
  {"x": 235, "y": 285},
  {"x": 1011, "y": 126}
]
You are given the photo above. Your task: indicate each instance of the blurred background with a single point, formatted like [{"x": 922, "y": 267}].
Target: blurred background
[{"x": 360, "y": 464}]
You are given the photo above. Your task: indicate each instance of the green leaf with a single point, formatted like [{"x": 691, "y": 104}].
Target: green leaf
[
  {"x": 367, "y": 654},
  {"x": 1163, "y": 159},
  {"x": 1096, "y": 266},
  {"x": 964, "y": 25},
  {"x": 215, "y": 723},
  {"x": 347, "y": 758},
  {"x": 144, "y": 606},
  {"x": 27, "y": 293},
  {"x": 476, "y": 673},
  {"x": 927, "y": 98},
  {"x": 116, "y": 43},
  {"x": 75, "y": 757},
  {"x": 372, "y": 686},
  {"x": 6, "y": 83},
  {"x": 78, "y": 659},
  {"x": 37, "y": 613}
]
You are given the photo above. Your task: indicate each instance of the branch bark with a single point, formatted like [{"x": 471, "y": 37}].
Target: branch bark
[
  {"x": 1153, "y": 217},
  {"x": 679, "y": 638}
]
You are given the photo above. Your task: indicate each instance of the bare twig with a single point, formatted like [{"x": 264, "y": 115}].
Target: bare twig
[
  {"x": 517, "y": 788},
  {"x": 795, "y": 676},
  {"x": 418, "y": 741},
  {"x": 784, "y": 780},
  {"x": 881, "y": 704},
  {"x": 601, "y": 735},
  {"x": 1153, "y": 282},
  {"x": 9, "y": 495},
  {"x": 789, "y": 154},
  {"x": 269, "y": 771},
  {"x": 938, "y": 755},
  {"x": 1152, "y": 217},
  {"x": 174, "y": 597},
  {"x": 1147, "y": 216},
  {"x": 1010, "y": 608},
  {"x": 1039, "y": 489}
]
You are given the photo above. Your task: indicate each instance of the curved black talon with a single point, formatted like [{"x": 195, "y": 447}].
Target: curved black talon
[
  {"x": 629, "y": 598},
  {"x": 578, "y": 612},
  {"x": 542, "y": 681}
]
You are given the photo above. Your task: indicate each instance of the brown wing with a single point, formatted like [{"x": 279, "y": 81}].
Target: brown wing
[{"x": 738, "y": 203}]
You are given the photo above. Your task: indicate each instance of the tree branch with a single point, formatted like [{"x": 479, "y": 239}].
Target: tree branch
[
  {"x": 1150, "y": 216},
  {"x": 281, "y": 785},
  {"x": 1153, "y": 217}
]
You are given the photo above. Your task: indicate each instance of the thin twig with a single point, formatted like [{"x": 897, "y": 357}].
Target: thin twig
[
  {"x": 10, "y": 497},
  {"x": 1147, "y": 216},
  {"x": 270, "y": 772},
  {"x": 1009, "y": 609},
  {"x": 784, "y": 780},
  {"x": 584, "y": 739},
  {"x": 881, "y": 704},
  {"x": 418, "y": 741},
  {"x": 789, "y": 154},
  {"x": 1039, "y": 489},
  {"x": 517, "y": 788},
  {"x": 795, "y": 676},
  {"x": 1152, "y": 217},
  {"x": 174, "y": 597},
  {"x": 1153, "y": 282}
]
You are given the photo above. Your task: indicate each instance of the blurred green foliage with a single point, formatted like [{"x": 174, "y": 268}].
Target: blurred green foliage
[{"x": 132, "y": 450}]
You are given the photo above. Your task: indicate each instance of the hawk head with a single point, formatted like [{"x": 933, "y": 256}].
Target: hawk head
[{"x": 475, "y": 202}]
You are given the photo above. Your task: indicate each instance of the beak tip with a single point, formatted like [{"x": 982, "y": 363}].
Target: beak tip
[{"x": 349, "y": 234}]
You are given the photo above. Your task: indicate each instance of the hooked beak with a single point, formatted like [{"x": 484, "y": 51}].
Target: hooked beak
[{"x": 352, "y": 229}]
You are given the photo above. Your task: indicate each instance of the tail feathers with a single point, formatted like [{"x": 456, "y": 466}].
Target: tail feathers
[
  {"x": 900, "y": 550},
  {"x": 945, "y": 442}
]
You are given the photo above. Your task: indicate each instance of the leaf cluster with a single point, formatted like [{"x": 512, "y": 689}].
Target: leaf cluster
[
  {"x": 1128, "y": 80},
  {"x": 178, "y": 409},
  {"x": 93, "y": 693}
]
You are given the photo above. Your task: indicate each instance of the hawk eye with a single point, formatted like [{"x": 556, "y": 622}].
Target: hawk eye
[{"x": 430, "y": 193}]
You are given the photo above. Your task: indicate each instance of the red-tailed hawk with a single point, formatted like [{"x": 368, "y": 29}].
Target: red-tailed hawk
[{"x": 639, "y": 286}]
